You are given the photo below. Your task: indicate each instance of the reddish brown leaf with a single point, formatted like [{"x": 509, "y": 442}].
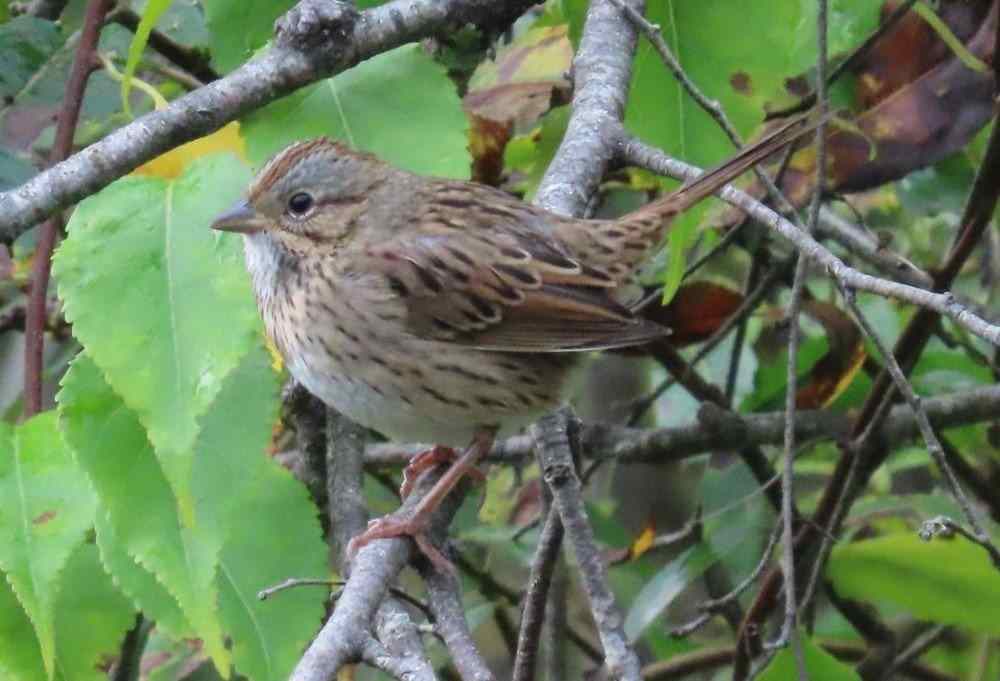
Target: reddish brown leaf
[
  {"x": 917, "y": 103},
  {"x": 696, "y": 311},
  {"x": 834, "y": 371},
  {"x": 487, "y": 140}
]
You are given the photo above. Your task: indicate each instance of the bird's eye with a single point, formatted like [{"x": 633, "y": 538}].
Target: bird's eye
[{"x": 300, "y": 204}]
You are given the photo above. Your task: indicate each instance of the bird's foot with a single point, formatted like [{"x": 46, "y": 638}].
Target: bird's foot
[
  {"x": 390, "y": 527},
  {"x": 425, "y": 461}
]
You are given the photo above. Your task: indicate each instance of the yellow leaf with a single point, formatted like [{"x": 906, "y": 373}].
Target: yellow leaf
[
  {"x": 172, "y": 163},
  {"x": 643, "y": 542}
]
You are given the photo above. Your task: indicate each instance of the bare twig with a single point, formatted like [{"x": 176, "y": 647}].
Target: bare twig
[
  {"x": 978, "y": 535},
  {"x": 602, "y": 70},
  {"x": 533, "y": 614},
  {"x": 943, "y": 526},
  {"x": 555, "y": 458},
  {"x": 345, "y": 484},
  {"x": 789, "y": 629},
  {"x": 643, "y": 155},
  {"x": 34, "y": 325},
  {"x": 716, "y": 605},
  {"x": 556, "y": 630},
  {"x": 705, "y": 660},
  {"x": 445, "y": 599},
  {"x": 718, "y": 430},
  {"x": 862, "y": 244},
  {"x": 712, "y": 107}
]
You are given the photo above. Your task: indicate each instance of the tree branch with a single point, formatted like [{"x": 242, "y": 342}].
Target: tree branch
[
  {"x": 314, "y": 40},
  {"x": 555, "y": 458},
  {"x": 716, "y": 429}
]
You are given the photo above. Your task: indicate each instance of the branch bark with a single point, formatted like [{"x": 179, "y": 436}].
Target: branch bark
[{"x": 314, "y": 40}]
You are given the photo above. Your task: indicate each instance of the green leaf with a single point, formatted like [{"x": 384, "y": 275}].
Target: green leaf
[
  {"x": 112, "y": 448},
  {"x": 254, "y": 525},
  {"x": 20, "y": 655},
  {"x": 47, "y": 508},
  {"x": 140, "y": 253},
  {"x": 270, "y": 524},
  {"x": 421, "y": 127},
  {"x": 948, "y": 581},
  {"x": 238, "y": 28},
  {"x": 819, "y": 663},
  {"x": 154, "y": 10},
  {"x": 139, "y": 583},
  {"x": 26, "y": 43},
  {"x": 660, "y": 591},
  {"x": 92, "y": 619}
]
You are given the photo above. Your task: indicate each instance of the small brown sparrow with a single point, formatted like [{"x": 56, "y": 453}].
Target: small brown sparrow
[{"x": 442, "y": 311}]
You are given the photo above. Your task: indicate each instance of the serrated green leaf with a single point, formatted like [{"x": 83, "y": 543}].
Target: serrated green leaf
[
  {"x": 138, "y": 583},
  {"x": 948, "y": 581},
  {"x": 271, "y": 527},
  {"x": 421, "y": 127},
  {"x": 47, "y": 508},
  {"x": 140, "y": 253},
  {"x": 238, "y": 28},
  {"x": 20, "y": 656},
  {"x": 260, "y": 531},
  {"x": 93, "y": 617},
  {"x": 112, "y": 448},
  {"x": 820, "y": 664}
]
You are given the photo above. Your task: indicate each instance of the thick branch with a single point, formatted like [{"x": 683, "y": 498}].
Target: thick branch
[
  {"x": 316, "y": 39},
  {"x": 602, "y": 70},
  {"x": 717, "y": 430}
]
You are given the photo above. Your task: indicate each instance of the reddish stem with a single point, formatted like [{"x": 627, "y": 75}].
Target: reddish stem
[{"x": 84, "y": 64}]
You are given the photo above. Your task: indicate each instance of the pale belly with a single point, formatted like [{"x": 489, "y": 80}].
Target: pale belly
[{"x": 454, "y": 395}]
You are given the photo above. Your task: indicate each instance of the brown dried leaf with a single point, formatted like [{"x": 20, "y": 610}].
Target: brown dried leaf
[
  {"x": 918, "y": 104},
  {"x": 835, "y": 370},
  {"x": 696, "y": 311}
]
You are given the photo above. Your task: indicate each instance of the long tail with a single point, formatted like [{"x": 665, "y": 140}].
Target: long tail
[
  {"x": 711, "y": 181},
  {"x": 619, "y": 246}
]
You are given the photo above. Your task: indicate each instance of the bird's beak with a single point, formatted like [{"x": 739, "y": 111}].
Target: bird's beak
[{"x": 241, "y": 218}]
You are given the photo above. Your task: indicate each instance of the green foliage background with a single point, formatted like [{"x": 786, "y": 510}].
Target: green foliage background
[{"x": 149, "y": 486}]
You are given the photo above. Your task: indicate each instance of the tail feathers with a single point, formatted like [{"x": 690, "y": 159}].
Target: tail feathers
[{"x": 711, "y": 181}]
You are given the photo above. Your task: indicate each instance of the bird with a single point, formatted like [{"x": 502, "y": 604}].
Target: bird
[{"x": 443, "y": 311}]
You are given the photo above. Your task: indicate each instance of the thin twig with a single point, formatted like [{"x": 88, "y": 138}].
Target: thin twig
[
  {"x": 533, "y": 613},
  {"x": 789, "y": 629},
  {"x": 555, "y": 458},
  {"x": 852, "y": 61},
  {"x": 727, "y": 430},
  {"x": 943, "y": 526},
  {"x": 445, "y": 599},
  {"x": 933, "y": 444},
  {"x": 716, "y": 605},
  {"x": 643, "y": 155},
  {"x": 69, "y": 114},
  {"x": 712, "y": 107}
]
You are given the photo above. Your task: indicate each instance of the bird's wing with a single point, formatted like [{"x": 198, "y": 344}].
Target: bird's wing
[{"x": 485, "y": 270}]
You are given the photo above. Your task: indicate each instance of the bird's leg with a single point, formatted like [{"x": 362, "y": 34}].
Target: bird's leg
[
  {"x": 426, "y": 460},
  {"x": 416, "y": 523}
]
